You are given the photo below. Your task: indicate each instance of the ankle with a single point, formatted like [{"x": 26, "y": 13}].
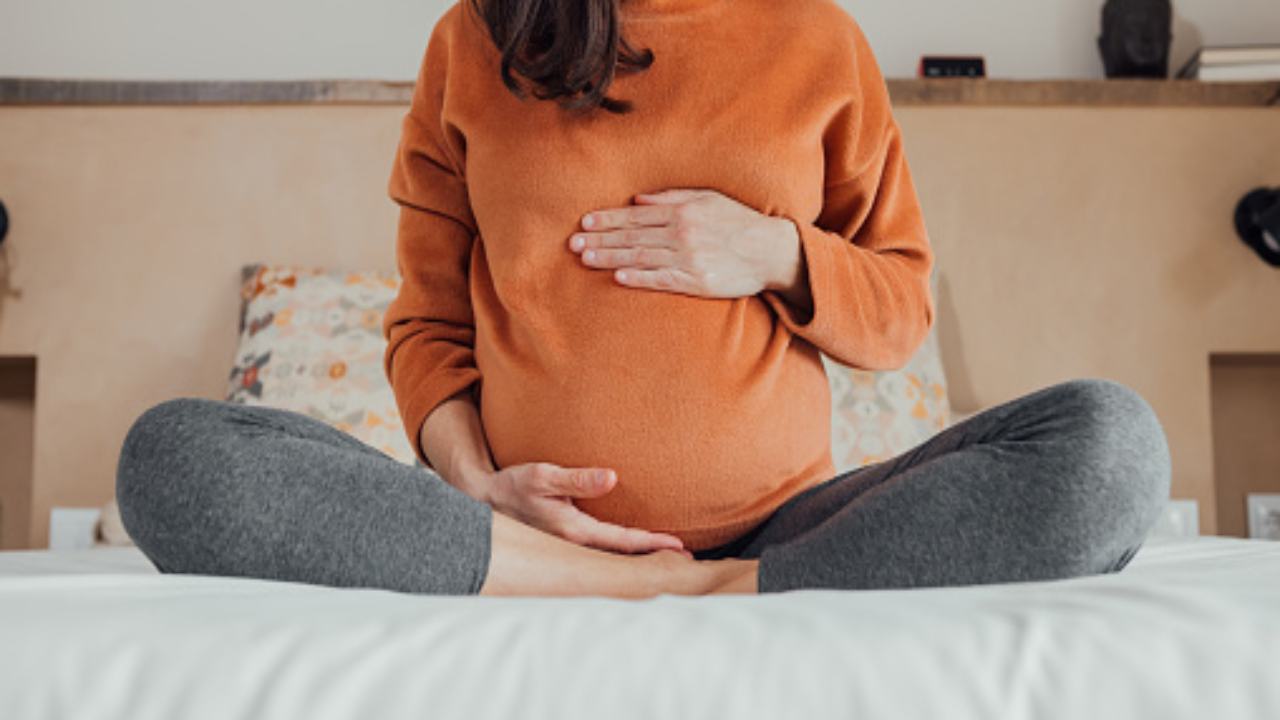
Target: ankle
[
  {"x": 741, "y": 578},
  {"x": 671, "y": 573},
  {"x": 675, "y": 574}
]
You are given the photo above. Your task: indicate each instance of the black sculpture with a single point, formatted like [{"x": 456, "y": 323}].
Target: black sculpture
[{"x": 1135, "y": 39}]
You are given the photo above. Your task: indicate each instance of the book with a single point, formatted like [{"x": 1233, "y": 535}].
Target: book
[
  {"x": 1233, "y": 62},
  {"x": 1258, "y": 71},
  {"x": 1222, "y": 54}
]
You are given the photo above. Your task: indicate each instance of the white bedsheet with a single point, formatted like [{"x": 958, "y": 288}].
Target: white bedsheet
[{"x": 1189, "y": 630}]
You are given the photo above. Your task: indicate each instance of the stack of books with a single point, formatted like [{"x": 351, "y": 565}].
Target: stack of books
[{"x": 1234, "y": 62}]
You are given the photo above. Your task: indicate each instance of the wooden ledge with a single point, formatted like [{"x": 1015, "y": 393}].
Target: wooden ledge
[
  {"x": 910, "y": 91},
  {"x": 40, "y": 91},
  {"x": 1092, "y": 93}
]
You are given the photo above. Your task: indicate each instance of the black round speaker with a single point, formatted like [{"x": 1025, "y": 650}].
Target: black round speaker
[{"x": 1258, "y": 223}]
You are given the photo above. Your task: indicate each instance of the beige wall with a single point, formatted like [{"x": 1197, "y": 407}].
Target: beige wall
[
  {"x": 1072, "y": 242},
  {"x": 1079, "y": 241},
  {"x": 303, "y": 39}
]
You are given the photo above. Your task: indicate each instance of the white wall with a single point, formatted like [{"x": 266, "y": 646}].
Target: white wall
[{"x": 383, "y": 39}]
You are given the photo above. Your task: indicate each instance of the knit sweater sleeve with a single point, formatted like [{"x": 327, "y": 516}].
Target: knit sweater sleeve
[
  {"x": 867, "y": 254},
  {"x": 429, "y": 326}
]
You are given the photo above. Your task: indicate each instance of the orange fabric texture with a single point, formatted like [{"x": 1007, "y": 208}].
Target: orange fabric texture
[{"x": 713, "y": 412}]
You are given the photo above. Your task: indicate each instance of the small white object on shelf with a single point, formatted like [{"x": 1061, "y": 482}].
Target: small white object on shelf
[
  {"x": 1180, "y": 519},
  {"x": 73, "y": 528},
  {"x": 1264, "y": 516}
]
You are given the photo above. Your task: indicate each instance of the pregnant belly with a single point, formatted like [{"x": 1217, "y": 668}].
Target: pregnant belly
[{"x": 707, "y": 433}]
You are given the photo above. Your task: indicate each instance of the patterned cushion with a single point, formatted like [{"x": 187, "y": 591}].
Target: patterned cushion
[
  {"x": 311, "y": 341},
  {"x": 876, "y": 415}
]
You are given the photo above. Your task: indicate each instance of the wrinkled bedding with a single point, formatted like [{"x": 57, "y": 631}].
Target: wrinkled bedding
[{"x": 1191, "y": 629}]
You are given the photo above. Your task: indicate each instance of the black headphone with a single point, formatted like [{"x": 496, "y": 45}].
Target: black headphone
[{"x": 1258, "y": 223}]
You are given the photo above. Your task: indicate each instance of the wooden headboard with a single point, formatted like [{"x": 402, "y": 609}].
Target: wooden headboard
[{"x": 1082, "y": 230}]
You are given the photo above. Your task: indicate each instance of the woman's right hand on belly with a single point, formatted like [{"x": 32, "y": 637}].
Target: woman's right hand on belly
[{"x": 541, "y": 494}]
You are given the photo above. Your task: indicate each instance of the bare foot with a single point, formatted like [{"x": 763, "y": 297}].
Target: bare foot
[
  {"x": 678, "y": 574},
  {"x": 527, "y": 561}
]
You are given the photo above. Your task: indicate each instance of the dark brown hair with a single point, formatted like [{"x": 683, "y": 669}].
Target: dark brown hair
[{"x": 568, "y": 49}]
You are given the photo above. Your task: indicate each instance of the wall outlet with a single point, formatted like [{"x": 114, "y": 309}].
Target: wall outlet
[
  {"x": 1264, "y": 516},
  {"x": 1180, "y": 519},
  {"x": 72, "y": 528}
]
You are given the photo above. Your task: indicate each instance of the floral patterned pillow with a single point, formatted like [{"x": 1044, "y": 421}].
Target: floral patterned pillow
[
  {"x": 876, "y": 415},
  {"x": 311, "y": 341}
]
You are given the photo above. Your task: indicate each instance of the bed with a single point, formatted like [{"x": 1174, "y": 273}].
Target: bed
[{"x": 1191, "y": 629}]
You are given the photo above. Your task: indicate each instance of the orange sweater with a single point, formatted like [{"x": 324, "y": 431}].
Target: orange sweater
[{"x": 713, "y": 412}]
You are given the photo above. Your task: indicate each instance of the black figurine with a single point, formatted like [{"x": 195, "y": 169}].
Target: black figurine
[{"x": 1135, "y": 39}]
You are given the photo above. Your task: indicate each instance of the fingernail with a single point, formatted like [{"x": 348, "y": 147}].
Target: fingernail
[
  {"x": 577, "y": 242},
  {"x": 589, "y": 256},
  {"x": 588, "y": 221}
]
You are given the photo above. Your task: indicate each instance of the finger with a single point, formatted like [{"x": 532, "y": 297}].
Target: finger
[
  {"x": 670, "y": 279},
  {"x": 608, "y": 536},
  {"x": 629, "y": 257},
  {"x": 648, "y": 236},
  {"x": 578, "y": 482},
  {"x": 632, "y": 216}
]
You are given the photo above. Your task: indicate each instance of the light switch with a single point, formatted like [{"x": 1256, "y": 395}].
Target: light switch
[{"x": 72, "y": 528}]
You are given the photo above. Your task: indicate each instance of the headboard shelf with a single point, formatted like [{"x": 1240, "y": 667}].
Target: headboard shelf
[
  {"x": 905, "y": 91},
  {"x": 1069, "y": 244}
]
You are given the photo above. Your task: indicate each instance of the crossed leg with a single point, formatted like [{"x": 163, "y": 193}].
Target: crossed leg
[
  {"x": 1061, "y": 482},
  {"x": 218, "y": 488}
]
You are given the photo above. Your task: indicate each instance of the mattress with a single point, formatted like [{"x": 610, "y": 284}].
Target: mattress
[{"x": 1191, "y": 629}]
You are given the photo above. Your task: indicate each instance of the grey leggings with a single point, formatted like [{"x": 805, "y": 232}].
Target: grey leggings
[{"x": 1061, "y": 482}]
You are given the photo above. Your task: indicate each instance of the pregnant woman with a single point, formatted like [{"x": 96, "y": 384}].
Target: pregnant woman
[{"x": 628, "y": 229}]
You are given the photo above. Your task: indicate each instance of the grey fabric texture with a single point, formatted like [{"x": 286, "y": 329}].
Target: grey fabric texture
[
  {"x": 212, "y": 487},
  {"x": 1061, "y": 482}
]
